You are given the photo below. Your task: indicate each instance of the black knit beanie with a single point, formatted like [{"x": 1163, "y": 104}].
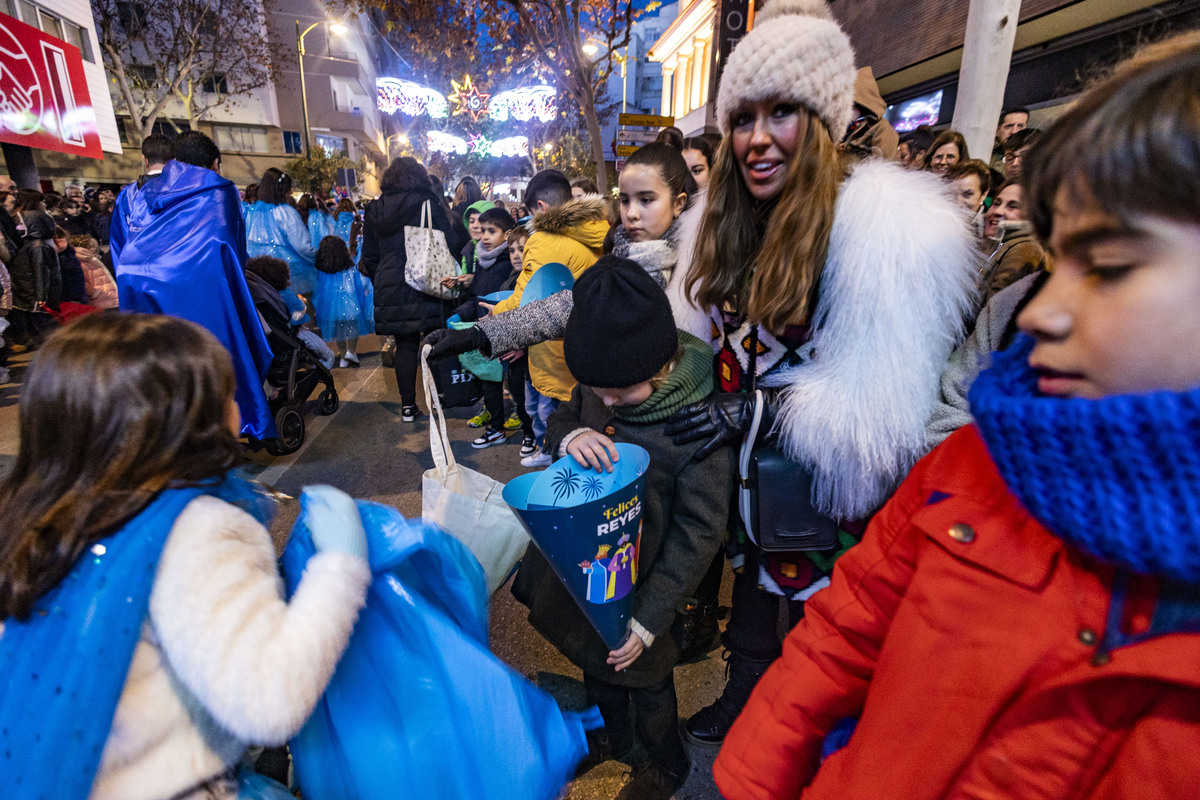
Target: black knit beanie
[{"x": 621, "y": 330}]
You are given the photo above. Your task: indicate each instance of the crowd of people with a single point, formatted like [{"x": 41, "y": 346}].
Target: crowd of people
[{"x": 971, "y": 383}]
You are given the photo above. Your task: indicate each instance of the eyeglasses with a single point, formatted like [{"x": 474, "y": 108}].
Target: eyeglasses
[{"x": 1014, "y": 157}]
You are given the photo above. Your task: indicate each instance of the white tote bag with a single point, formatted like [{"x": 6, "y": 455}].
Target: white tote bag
[
  {"x": 467, "y": 504},
  {"x": 429, "y": 259}
]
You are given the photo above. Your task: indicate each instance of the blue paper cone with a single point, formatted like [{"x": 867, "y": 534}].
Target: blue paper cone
[
  {"x": 549, "y": 279},
  {"x": 588, "y": 525}
]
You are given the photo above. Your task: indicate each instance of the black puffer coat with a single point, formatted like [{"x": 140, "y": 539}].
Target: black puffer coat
[
  {"x": 400, "y": 309},
  {"x": 36, "y": 275}
]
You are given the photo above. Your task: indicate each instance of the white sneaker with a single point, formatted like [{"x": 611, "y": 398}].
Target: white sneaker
[
  {"x": 538, "y": 459},
  {"x": 349, "y": 360}
]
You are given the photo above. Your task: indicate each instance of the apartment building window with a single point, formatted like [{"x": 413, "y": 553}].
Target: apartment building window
[
  {"x": 142, "y": 73},
  {"x": 169, "y": 129},
  {"x": 332, "y": 145},
  {"x": 241, "y": 139},
  {"x": 132, "y": 16},
  {"x": 215, "y": 84},
  {"x": 292, "y": 143},
  {"x": 51, "y": 25}
]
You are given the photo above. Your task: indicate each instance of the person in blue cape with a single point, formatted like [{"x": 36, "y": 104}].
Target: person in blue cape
[
  {"x": 316, "y": 217},
  {"x": 274, "y": 228},
  {"x": 348, "y": 226},
  {"x": 157, "y": 150},
  {"x": 185, "y": 257},
  {"x": 146, "y": 640}
]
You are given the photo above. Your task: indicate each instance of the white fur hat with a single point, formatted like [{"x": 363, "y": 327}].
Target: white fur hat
[{"x": 796, "y": 52}]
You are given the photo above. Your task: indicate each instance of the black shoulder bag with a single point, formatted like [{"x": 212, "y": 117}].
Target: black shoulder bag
[{"x": 775, "y": 493}]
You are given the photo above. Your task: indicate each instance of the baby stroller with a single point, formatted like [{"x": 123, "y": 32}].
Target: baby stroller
[{"x": 295, "y": 371}]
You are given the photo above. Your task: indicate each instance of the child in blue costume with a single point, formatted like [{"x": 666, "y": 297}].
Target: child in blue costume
[
  {"x": 345, "y": 310},
  {"x": 274, "y": 228},
  {"x": 317, "y": 218},
  {"x": 347, "y": 225},
  {"x": 146, "y": 642}
]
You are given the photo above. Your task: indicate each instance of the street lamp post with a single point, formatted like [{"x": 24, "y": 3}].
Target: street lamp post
[{"x": 337, "y": 29}]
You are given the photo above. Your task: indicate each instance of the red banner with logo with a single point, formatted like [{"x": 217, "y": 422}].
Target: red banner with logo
[{"x": 44, "y": 101}]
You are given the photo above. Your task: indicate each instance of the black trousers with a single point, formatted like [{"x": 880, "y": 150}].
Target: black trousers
[
  {"x": 517, "y": 371},
  {"x": 654, "y": 719},
  {"x": 405, "y": 364},
  {"x": 753, "y": 628},
  {"x": 493, "y": 401}
]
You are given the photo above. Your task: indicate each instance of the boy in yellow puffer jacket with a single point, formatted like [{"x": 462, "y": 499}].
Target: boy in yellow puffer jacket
[{"x": 567, "y": 231}]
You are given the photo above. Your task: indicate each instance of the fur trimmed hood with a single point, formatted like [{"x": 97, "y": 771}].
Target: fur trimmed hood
[
  {"x": 897, "y": 283},
  {"x": 567, "y": 218}
]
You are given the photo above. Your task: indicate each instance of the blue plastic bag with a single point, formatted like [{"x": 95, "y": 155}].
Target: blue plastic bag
[{"x": 419, "y": 707}]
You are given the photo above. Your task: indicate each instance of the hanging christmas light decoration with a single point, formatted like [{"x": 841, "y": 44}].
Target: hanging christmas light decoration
[
  {"x": 499, "y": 148},
  {"x": 411, "y": 99},
  {"x": 440, "y": 142},
  {"x": 510, "y": 147},
  {"x": 468, "y": 99},
  {"x": 524, "y": 104}
]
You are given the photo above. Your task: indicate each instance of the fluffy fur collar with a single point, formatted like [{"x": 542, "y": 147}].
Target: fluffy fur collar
[
  {"x": 898, "y": 281},
  {"x": 571, "y": 214},
  {"x": 688, "y": 315}
]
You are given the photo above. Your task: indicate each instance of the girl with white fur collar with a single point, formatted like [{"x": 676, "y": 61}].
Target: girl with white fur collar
[{"x": 841, "y": 294}]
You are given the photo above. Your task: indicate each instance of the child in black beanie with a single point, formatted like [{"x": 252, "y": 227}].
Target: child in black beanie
[{"x": 634, "y": 370}]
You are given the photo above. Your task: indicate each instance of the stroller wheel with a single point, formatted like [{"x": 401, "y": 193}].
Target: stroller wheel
[
  {"x": 327, "y": 401},
  {"x": 290, "y": 423}
]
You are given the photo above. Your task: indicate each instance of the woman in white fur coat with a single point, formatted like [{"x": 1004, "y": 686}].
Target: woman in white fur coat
[
  {"x": 146, "y": 642},
  {"x": 839, "y": 294}
]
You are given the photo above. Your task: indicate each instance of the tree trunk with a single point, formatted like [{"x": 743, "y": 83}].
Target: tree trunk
[{"x": 593, "y": 126}]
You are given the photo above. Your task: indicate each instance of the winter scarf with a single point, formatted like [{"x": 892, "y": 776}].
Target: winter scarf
[
  {"x": 657, "y": 257},
  {"x": 486, "y": 258},
  {"x": 1115, "y": 477},
  {"x": 690, "y": 381}
]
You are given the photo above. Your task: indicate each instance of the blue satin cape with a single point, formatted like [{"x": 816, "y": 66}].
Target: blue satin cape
[
  {"x": 64, "y": 667},
  {"x": 279, "y": 231},
  {"x": 185, "y": 257}
]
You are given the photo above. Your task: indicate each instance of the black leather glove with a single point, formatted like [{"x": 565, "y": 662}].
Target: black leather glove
[
  {"x": 446, "y": 342},
  {"x": 722, "y": 419}
]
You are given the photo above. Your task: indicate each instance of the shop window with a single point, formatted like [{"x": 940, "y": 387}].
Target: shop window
[{"x": 292, "y": 143}]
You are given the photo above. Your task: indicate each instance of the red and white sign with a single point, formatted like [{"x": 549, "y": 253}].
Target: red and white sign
[{"x": 44, "y": 101}]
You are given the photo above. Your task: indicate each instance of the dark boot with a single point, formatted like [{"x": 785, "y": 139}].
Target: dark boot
[
  {"x": 602, "y": 748},
  {"x": 652, "y": 782},
  {"x": 699, "y": 633},
  {"x": 710, "y": 724}
]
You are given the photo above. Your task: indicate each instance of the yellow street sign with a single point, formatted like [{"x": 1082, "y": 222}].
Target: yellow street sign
[
  {"x": 645, "y": 120},
  {"x": 626, "y": 150}
]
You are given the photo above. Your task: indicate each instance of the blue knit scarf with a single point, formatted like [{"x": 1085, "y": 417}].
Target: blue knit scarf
[{"x": 1118, "y": 477}]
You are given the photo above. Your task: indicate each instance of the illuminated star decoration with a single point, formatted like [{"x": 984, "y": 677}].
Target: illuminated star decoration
[{"x": 468, "y": 99}]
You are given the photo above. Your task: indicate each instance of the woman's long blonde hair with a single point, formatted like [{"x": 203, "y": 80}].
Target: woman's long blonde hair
[{"x": 765, "y": 260}]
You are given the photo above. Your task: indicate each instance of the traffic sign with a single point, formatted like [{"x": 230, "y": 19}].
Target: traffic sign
[
  {"x": 645, "y": 120},
  {"x": 636, "y": 136},
  {"x": 624, "y": 150}
]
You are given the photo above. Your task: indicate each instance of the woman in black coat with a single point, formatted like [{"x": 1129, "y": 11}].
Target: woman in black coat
[{"x": 401, "y": 310}]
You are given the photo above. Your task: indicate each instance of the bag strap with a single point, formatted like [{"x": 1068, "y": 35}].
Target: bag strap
[
  {"x": 744, "y": 455},
  {"x": 439, "y": 441},
  {"x": 426, "y": 215}
]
